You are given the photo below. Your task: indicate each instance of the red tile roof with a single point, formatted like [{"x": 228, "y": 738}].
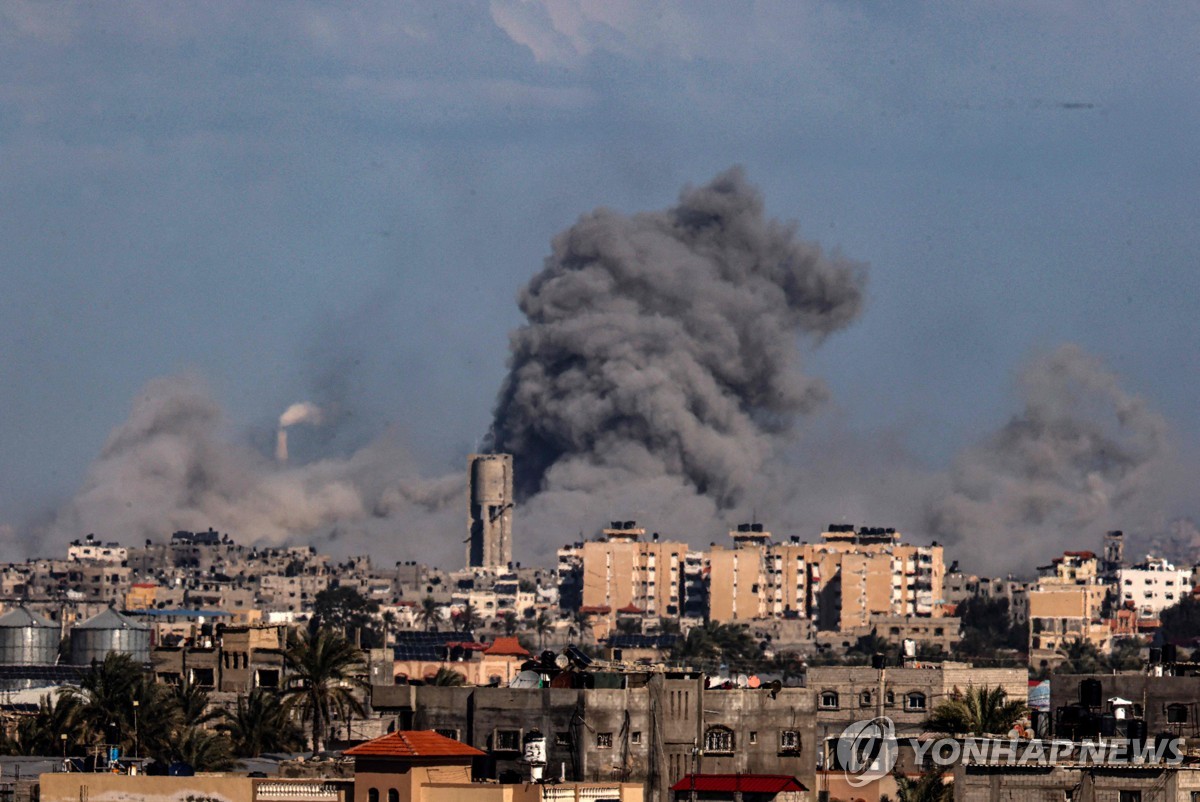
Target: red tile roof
[
  {"x": 413, "y": 744},
  {"x": 732, "y": 783},
  {"x": 631, "y": 608},
  {"x": 507, "y": 646},
  {"x": 600, "y": 609}
]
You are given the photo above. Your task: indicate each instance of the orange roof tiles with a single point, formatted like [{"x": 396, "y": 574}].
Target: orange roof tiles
[
  {"x": 413, "y": 744},
  {"x": 507, "y": 646}
]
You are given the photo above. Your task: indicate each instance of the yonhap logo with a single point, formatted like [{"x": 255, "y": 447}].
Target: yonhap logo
[{"x": 866, "y": 750}]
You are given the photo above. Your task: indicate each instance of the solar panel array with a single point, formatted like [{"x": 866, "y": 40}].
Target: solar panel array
[{"x": 426, "y": 645}]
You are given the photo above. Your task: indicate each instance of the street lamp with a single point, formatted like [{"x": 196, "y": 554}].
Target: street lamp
[
  {"x": 62, "y": 736},
  {"x": 135, "y": 729}
]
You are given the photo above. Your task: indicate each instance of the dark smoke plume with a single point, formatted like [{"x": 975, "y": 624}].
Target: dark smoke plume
[
  {"x": 1083, "y": 456},
  {"x": 664, "y": 345}
]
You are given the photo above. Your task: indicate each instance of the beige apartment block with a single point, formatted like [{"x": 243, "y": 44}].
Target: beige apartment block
[
  {"x": 841, "y": 582},
  {"x": 624, "y": 569}
]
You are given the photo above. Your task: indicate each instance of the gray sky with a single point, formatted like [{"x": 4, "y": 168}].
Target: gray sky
[{"x": 341, "y": 202}]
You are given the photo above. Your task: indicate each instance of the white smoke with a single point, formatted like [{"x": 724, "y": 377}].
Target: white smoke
[
  {"x": 171, "y": 466},
  {"x": 301, "y": 412}
]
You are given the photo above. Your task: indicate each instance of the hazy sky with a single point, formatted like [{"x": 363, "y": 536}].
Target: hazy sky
[{"x": 312, "y": 200}]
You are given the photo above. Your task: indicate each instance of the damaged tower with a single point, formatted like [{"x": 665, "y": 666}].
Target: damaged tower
[{"x": 489, "y": 499}]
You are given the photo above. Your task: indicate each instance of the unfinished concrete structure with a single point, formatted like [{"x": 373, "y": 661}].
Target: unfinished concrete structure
[{"x": 490, "y": 508}]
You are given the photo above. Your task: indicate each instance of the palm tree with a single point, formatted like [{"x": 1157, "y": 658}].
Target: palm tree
[
  {"x": 40, "y": 734},
  {"x": 260, "y": 723},
  {"x": 928, "y": 787},
  {"x": 468, "y": 619},
  {"x": 447, "y": 678},
  {"x": 106, "y": 696},
  {"x": 324, "y": 673},
  {"x": 429, "y": 614},
  {"x": 193, "y": 703},
  {"x": 543, "y": 625},
  {"x": 510, "y": 623},
  {"x": 981, "y": 711},
  {"x": 204, "y": 750}
]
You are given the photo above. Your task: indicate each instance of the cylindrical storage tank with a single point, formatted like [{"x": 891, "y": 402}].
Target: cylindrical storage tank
[
  {"x": 27, "y": 639},
  {"x": 109, "y": 632},
  {"x": 489, "y": 474}
]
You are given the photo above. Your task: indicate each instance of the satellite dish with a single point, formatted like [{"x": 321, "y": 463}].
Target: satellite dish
[
  {"x": 562, "y": 661},
  {"x": 526, "y": 679}
]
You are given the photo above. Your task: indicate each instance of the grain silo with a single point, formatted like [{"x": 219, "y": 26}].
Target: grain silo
[{"x": 109, "y": 632}]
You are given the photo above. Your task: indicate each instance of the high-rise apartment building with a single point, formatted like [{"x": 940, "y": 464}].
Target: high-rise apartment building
[
  {"x": 624, "y": 569},
  {"x": 840, "y": 582}
]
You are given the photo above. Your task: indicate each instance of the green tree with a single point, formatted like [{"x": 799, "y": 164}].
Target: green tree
[
  {"x": 987, "y": 628},
  {"x": 429, "y": 614},
  {"x": 260, "y": 723},
  {"x": 346, "y": 610},
  {"x": 204, "y": 750},
  {"x": 40, "y": 734},
  {"x": 715, "y": 643},
  {"x": 1081, "y": 658},
  {"x": 1181, "y": 622},
  {"x": 979, "y": 711},
  {"x": 108, "y": 714},
  {"x": 510, "y": 622},
  {"x": 928, "y": 787},
  {"x": 447, "y": 678},
  {"x": 542, "y": 626},
  {"x": 467, "y": 619},
  {"x": 324, "y": 672}
]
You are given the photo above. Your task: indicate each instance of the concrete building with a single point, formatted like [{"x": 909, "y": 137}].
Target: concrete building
[
  {"x": 1067, "y": 606},
  {"x": 490, "y": 510},
  {"x": 840, "y": 582},
  {"x": 76, "y": 786},
  {"x": 624, "y": 569},
  {"x": 907, "y": 695},
  {"x": 1152, "y": 586},
  {"x": 651, "y": 727}
]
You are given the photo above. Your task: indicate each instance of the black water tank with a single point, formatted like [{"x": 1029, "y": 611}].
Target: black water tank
[
  {"x": 1136, "y": 729},
  {"x": 878, "y": 661},
  {"x": 1108, "y": 725},
  {"x": 1091, "y": 693},
  {"x": 1155, "y": 655},
  {"x": 1170, "y": 653}
]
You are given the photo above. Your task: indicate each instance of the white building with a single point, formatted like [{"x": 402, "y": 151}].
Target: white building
[
  {"x": 1152, "y": 586},
  {"x": 92, "y": 550}
]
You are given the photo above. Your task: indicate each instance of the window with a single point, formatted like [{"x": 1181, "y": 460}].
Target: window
[
  {"x": 266, "y": 678},
  {"x": 451, "y": 734},
  {"x": 635, "y": 737},
  {"x": 1129, "y": 796},
  {"x": 718, "y": 739},
  {"x": 789, "y": 741},
  {"x": 373, "y": 795},
  {"x": 914, "y": 701},
  {"x": 829, "y": 700},
  {"x": 864, "y": 699},
  {"x": 604, "y": 740},
  {"x": 753, "y": 737},
  {"x": 1177, "y": 713},
  {"x": 506, "y": 741},
  {"x": 562, "y": 738},
  {"x": 889, "y": 698},
  {"x": 393, "y": 795}
]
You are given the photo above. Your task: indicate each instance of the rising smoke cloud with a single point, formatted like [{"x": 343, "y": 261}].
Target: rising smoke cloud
[
  {"x": 664, "y": 344},
  {"x": 1081, "y": 457},
  {"x": 171, "y": 465}
]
